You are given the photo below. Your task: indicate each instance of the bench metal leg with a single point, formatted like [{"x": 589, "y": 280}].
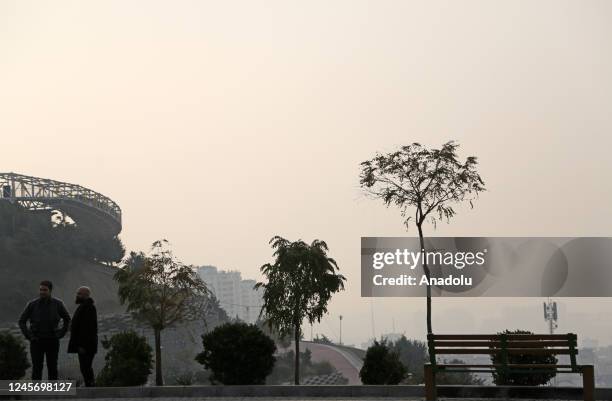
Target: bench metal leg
[
  {"x": 430, "y": 383},
  {"x": 588, "y": 383}
]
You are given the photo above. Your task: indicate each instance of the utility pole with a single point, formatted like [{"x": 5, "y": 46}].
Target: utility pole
[
  {"x": 372, "y": 322},
  {"x": 340, "y": 329}
]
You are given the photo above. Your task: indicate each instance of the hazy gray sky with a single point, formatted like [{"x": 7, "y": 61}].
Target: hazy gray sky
[{"x": 217, "y": 125}]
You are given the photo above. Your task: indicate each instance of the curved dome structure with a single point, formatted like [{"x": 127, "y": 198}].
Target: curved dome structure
[{"x": 88, "y": 209}]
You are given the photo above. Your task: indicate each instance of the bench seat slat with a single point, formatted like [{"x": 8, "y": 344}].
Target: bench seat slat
[
  {"x": 509, "y": 344},
  {"x": 516, "y": 370},
  {"x": 497, "y": 336},
  {"x": 510, "y": 365},
  {"x": 489, "y": 351}
]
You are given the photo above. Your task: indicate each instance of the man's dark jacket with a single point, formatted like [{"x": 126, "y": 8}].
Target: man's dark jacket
[
  {"x": 84, "y": 328},
  {"x": 44, "y": 315}
]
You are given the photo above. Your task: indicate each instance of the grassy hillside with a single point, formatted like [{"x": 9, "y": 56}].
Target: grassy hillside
[{"x": 33, "y": 248}]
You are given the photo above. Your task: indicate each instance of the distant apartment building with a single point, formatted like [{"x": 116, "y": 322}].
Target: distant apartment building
[{"x": 236, "y": 296}]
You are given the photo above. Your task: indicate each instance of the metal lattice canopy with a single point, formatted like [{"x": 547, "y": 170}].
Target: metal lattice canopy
[{"x": 87, "y": 208}]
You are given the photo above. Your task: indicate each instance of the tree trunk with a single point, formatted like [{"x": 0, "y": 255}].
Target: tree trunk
[
  {"x": 297, "y": 355},
  {"x": 159, "y": 380},
  {"x": 428, "y": 275}
]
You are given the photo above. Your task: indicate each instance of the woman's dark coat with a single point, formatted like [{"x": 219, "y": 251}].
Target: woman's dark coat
[{"x": 84, "y": 328}]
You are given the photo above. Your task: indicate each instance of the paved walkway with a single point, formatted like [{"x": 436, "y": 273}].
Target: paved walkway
[{"x": 297, "y": 399}]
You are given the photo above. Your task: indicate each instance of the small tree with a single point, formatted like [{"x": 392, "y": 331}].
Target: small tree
[
  {"x": 413, "y": 355},
  {"x": 429, "y": 181},
  {"x": 382, "y": 365},
  {"x": 13, "y": 357},
  {"x": 530, "y": 376},
  {"x": 300, "y": 284},
  {"x": 160, "y": 291},
  {"x": 128, "y": 361},
  {"x": 237, "y": 353}
]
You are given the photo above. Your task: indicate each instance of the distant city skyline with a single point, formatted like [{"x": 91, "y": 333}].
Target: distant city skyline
[{"x": 237, "y": 296}]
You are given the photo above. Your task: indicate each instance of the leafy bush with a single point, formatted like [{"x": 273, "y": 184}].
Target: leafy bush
[
  {"x": 129, "y": 360},
  {"x": 530, "y": 377},
  {"x": 237, "y": 353},
  {"x": 13, "y": 357},
  {"x": 382, "y": 365}
]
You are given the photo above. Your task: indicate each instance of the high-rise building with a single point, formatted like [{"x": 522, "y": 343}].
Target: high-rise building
[
  {"x": 252, "y": 298},
  {"x": 236, "y": 296}
]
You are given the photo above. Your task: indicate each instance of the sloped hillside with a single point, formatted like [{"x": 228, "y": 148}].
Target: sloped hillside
[{"x": 33, "y": 248}]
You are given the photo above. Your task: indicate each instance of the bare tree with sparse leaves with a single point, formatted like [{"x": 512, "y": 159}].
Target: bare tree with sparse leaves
[
  {"x": 424, "y": 184},
  {"x": 161, "y": 291}
]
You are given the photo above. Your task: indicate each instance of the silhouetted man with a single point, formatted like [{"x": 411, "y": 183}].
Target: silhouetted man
[
  {"x": 84, "y": 334},
  {"x": 44, "y": 315}
]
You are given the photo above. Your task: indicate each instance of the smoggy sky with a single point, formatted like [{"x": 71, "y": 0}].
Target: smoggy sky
[{"x": 217, "y": 125}]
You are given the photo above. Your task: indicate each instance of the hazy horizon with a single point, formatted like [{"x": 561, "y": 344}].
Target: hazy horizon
[{"x": 219, "y": 125}]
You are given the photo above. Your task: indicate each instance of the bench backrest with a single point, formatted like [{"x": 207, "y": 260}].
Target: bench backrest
[{"x": 502, "y": 344}]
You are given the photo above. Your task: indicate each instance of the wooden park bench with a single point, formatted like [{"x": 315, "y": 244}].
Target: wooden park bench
[{"x": 505, "y": 345}]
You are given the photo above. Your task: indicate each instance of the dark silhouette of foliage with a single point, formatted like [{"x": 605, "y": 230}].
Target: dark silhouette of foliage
[
  {"x": 22, "y": 228},
  {"x": 530, "y": 376},
  {"x": 283, "y": 340},
  {"x": 129, "y": 361},
  {"x": 424, "y": 184},
  {"x": 413, "y": 355},
  {"x": 322, "y": 340},
  {"x": 382, "y": 365},
  {"x": 161, "y": 291},
  {"x": 13, "y": 357},
  {"x": 458, "y": 378},
  {"x": 300, "y": 284},
  {"x": 237, "y": 353}
]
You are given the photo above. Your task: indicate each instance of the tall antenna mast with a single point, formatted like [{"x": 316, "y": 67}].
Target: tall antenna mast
[{"x": 551, "y": 315}]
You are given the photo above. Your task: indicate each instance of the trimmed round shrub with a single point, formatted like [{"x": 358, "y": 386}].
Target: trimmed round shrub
[
  {"x": 382, "y": 365},
  {"x": 13, "y": 357},
  {"x": 129, "y": 360},
  {"x": 530, "y": 377},
  {"x": 237, "y": 353}
]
